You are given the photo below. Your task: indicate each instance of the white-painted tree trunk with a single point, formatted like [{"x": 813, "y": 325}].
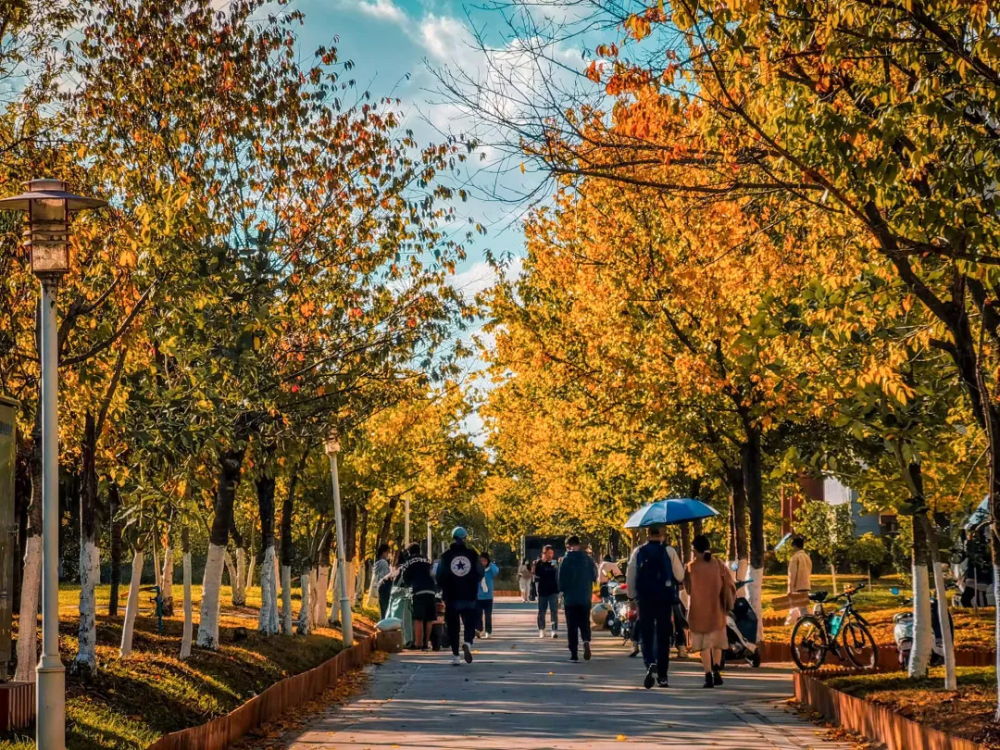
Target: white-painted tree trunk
[
  {"x": 947, "y": 642},
  {"x": 188, "y": 619},
  {"x": 132, "y": 607},
  {"x": 334, "y": 586},
  {"x": 923, "y": 633},
  {"x": 267, "y": 623},
  {"x": 756, "y": 591},
  {"x": 352, "y": 580},
  {"x": 305, "y": 613},
  {"x": 996, "y": 629},
  {"x": 27, "y": 637},
  {"x": 833, "y": 575},
  {"x": 239, "y": 593},
  {"x": 322, "y": 581},
  {"x": 277, "y": 567},
  {"x": 286, "y": 600},
  {"x": 208, "y": 622},
  {"x": 167, "y": 577},
  {"x": 741, "y": 573},
  {"x": 90, "y": 576},
  {"x": 156, "y": 568},
  {"x": 250, "y": 566},
  {"x": 233, "y": 578}
]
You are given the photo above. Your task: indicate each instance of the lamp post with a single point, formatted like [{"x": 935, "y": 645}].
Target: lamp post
[
  {"x": 49, "y": 209},
  {"x": 346, "y": 626}
]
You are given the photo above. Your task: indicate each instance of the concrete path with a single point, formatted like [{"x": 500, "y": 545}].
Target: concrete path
[{"x": 522, "y": 693}]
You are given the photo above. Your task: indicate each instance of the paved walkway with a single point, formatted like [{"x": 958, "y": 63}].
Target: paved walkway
[{"x": 522, "y": 693}]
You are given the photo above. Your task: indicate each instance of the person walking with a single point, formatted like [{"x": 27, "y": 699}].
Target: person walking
[
  {"x": 524, "y": 580},
  {"x": 417, "y": 577},
  {"x": 577, "y": 575},
  {"x": 484, "y": 603},
  {"x": 654, "y": 577},
  {"x": 712, "y": 593},
  {"x": 400, "y": 599},
  {"x": 458, "y": 574},
  {"x": 547, "y": 589},
  {"x": 381, "y": 580},
  {"x": 799, "y": 575}
]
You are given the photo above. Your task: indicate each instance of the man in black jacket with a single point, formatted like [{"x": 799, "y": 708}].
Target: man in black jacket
[
  {"x": 458, "y": 574},
  {"x": 547, "y": 587}
]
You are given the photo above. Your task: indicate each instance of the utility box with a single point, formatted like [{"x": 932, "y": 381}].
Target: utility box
[{"x": 8, "y": 525}]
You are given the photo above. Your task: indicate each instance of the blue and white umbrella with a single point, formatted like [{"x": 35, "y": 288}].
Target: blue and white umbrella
[{"x": 670, "y": 511}]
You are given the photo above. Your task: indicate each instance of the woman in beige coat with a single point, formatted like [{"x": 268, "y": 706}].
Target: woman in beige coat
[{"x": 712, "y": 594}]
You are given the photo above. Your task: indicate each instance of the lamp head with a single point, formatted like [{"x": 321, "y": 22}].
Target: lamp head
[{"x": 49, "y": 208}]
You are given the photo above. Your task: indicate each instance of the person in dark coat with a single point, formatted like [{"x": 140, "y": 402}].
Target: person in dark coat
[
  {"x": 577, "y": 575},
  {"x": 458, "y": 574}
]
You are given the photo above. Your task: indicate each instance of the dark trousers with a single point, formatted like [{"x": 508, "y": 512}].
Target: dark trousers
[
  {"x": 459, "y": 615},
  {"x": 577, "y": 626},
  {"x": 383, "y": 599},
  {"x": 548, "y": 602},
  {"x": 656, "y": 624},
  {"x": 484, "y": 620}
]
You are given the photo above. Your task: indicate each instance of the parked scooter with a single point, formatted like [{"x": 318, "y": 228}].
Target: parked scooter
[
  {"x": 741, "y": 627},
  {"x": 902, "y": 632},
  {"x": 622, "y": 617}
]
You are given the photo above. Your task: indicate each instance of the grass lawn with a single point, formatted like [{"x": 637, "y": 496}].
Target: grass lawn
[
  {"x": 132, "y": 701},
  {"x": 968, "y": 712},
  {"x": 878, "y": 605}
]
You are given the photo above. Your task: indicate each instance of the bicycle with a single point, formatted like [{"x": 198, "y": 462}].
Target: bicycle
[{"x": 816, "y": 635}]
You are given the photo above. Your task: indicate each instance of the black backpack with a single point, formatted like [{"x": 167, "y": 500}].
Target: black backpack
[{"x": 654, "y": 580}]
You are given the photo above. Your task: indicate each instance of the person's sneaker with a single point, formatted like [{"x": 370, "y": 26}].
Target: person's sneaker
[
  {"x": 479, "y": 634},
  {"x": 664, "y": 683},
  {"x": 456, "y": 661},
  {"x": 586, "y": 651},
  {"x": 635, "y": 653},
  {"x": 574, "y": 659},
  {"x": 682, "y": 652},
  {"x": 485, "y": 636},
  {"x": 709, "y": 680},
  {"x": 541, "y": 633},
  {"x": 716, "y": 677},
  {"x": 554, "y": 634},
  {"x": 650, "y": 678},
  {"x": 467, "y": 652}
]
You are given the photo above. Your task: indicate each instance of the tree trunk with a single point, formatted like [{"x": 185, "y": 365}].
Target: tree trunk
[
  {"x": 267, "y": 623},
  {"x": 383, "y": 534},
  {"x": 752, "y": 471},
  {"x": 923, "y": 634},
  {"x": 351, "y": 551},
  {"x": 22, "y": 498},
  {"x": 167, "y": 577},
  {"x": 229, "y": 475},
  {"x": 363, "y": 549},
  {"x": 239, "y": 590},
  {"x": 251, "y": 562},
  {"x": 287, "y": 552},
  {"x": 305, "y": 613},
  {"x": 132, "y": 607},
  {"x": 322, "y": 580},
  {"x": 114, "y": 506},
  {"x": 27, "y": 636},
  {"x": 85, "y": 661},
  {"x": 188, "y": 629},
  {"x": 685, "y": 542}
]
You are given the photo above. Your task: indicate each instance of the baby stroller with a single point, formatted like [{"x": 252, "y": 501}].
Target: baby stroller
[{"x": 741, "y": 627}]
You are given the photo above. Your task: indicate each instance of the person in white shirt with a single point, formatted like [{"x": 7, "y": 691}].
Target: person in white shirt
[{"x": 606, "y": 571}]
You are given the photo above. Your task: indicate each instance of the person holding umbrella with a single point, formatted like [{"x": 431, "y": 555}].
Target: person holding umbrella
[{"x": 654, "y": 577}]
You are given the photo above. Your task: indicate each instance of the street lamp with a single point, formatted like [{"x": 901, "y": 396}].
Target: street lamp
[
  {"x": 49, "y": 209},
  {"x": 332, "y": 449}
]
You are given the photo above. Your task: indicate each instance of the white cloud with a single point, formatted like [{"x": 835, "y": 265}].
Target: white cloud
[{"x": 382, "y": 9}]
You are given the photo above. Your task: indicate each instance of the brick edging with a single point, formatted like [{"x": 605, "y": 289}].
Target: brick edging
[
  {"x": 888, "y": 657},
  {"x": 283, "y": 695},
  {"x": 872, "y": 720}
]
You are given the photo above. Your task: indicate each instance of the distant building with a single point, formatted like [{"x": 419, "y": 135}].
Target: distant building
[{"x": 833, "y": 492}]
